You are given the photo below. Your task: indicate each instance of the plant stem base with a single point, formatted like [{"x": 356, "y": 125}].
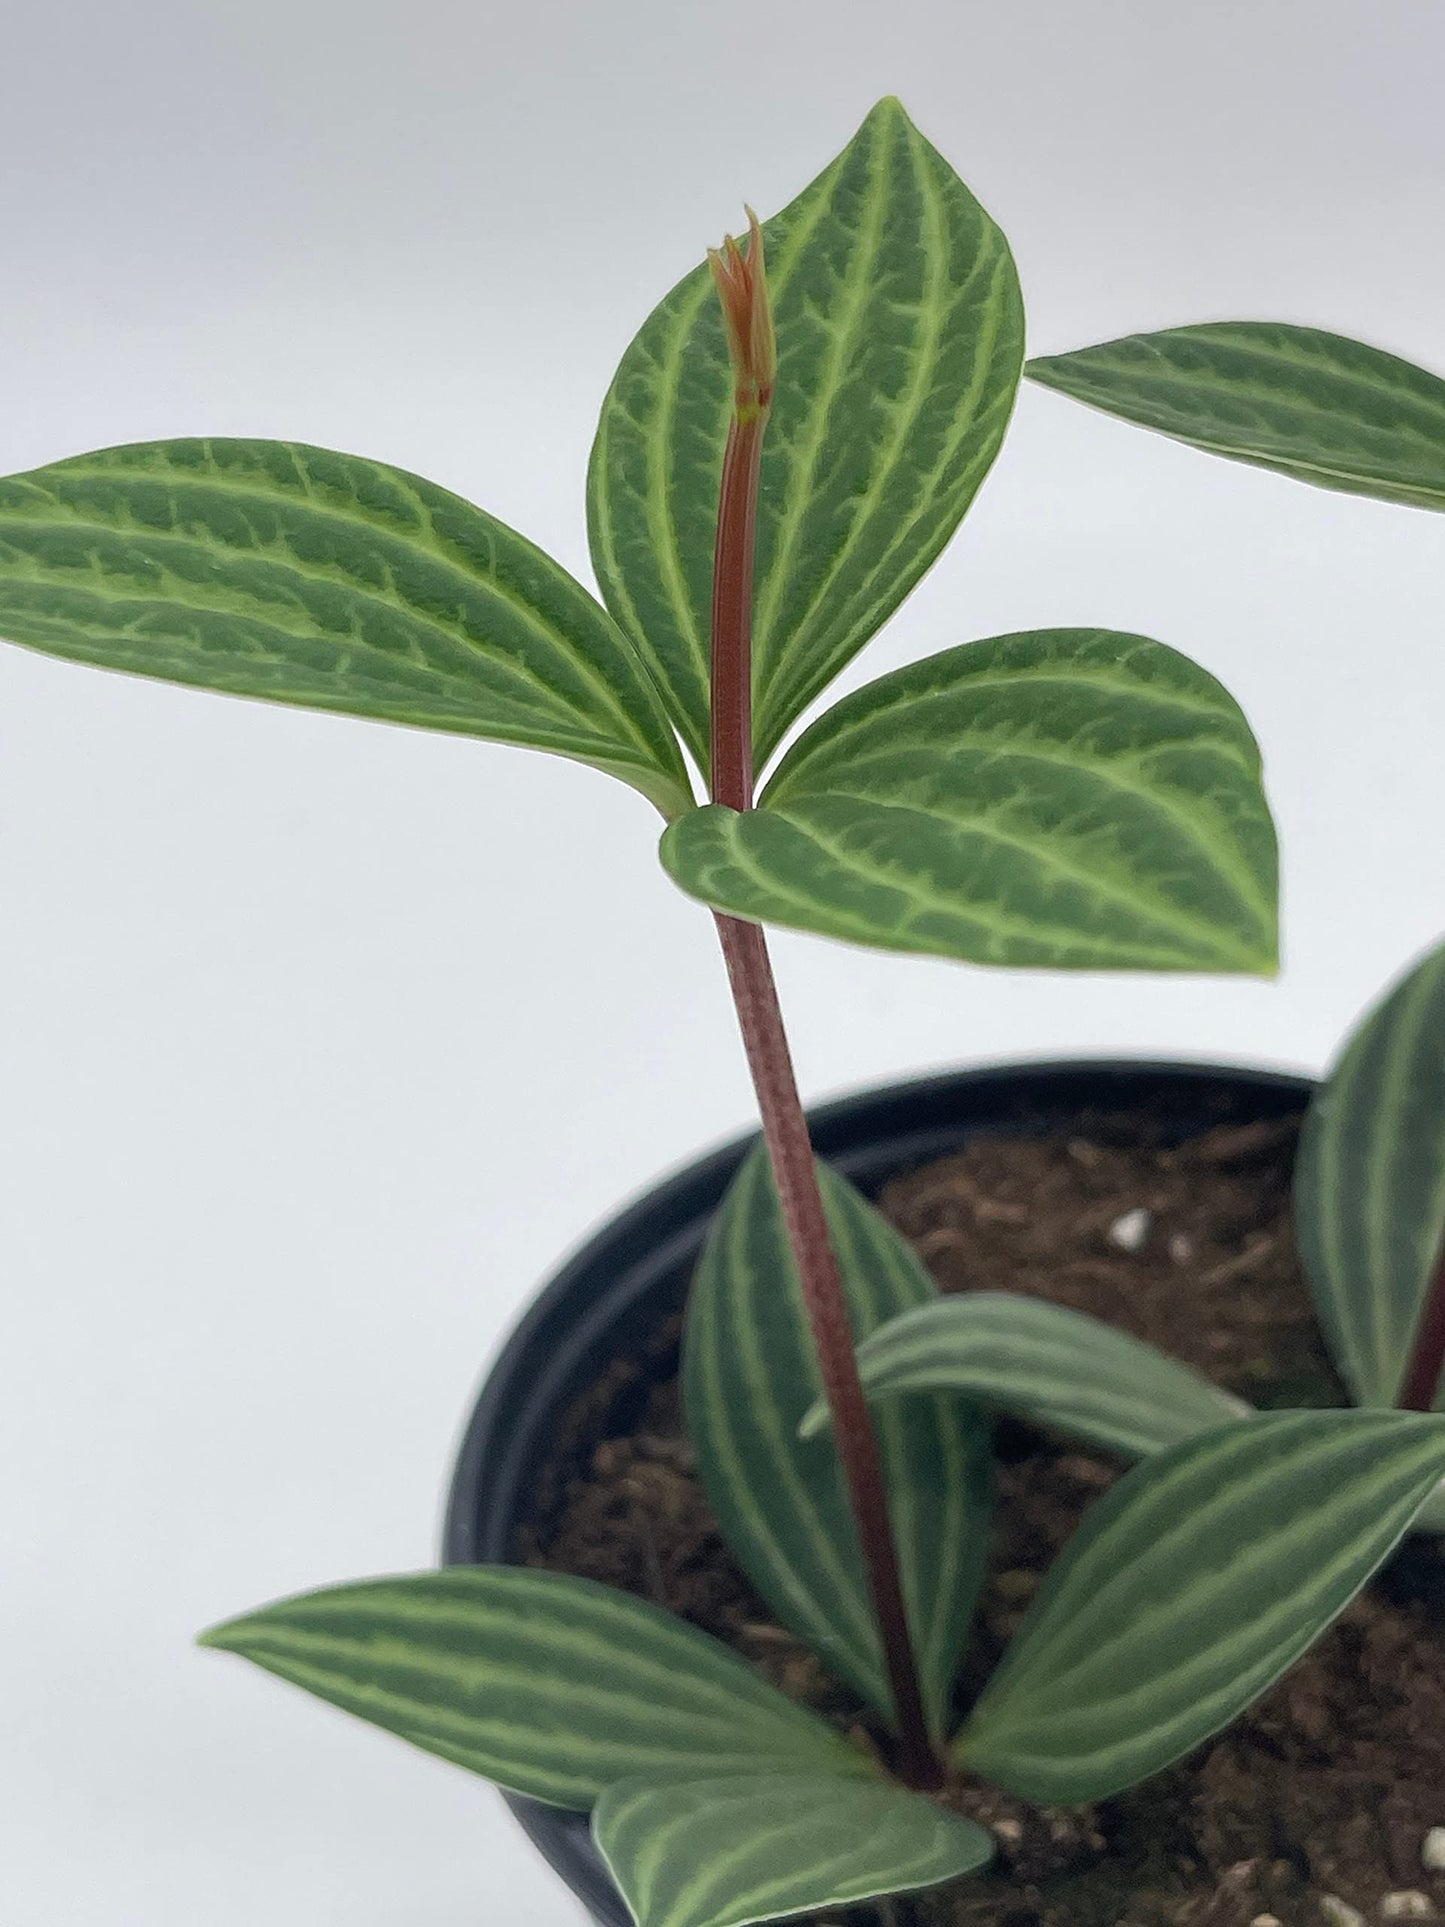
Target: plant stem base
[{"x": 1325, "y": 1788}]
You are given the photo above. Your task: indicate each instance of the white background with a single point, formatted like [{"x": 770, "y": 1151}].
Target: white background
[{"x": 320, "y": 1042}]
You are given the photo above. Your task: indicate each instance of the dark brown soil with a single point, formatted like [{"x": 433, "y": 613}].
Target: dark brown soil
[{"x": 1319, "y": 1800}]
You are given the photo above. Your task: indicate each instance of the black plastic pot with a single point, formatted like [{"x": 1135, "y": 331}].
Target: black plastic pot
[{"x": 612, "y": 1297}]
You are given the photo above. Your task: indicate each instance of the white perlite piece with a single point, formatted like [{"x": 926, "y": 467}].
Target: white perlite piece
[
  {"x": 1130, "y": 1231},
  {"x": 1432, "y": 1854},
  {"x": 1408, "y": 1904},
  {"x": 1339, "y": 1913}
]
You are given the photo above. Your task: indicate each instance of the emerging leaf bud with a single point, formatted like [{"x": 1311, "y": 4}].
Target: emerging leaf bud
[{"x": 742, "y": 286}]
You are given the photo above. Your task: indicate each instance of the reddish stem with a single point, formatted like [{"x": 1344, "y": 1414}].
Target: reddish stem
[
  {"x": 732, "y": 614},
  {"x": 786, "y": 1129},
  {"x": 760, "y": 1019},
  {"x": 1421, "y": 1386}
]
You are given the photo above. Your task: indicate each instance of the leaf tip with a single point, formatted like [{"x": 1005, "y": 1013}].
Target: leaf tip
[
  {"x": 1248, "y": 953},
  {"x": 890, "y": 107},
  {"x": 229, "y": 1636},
  {"x": 815, "y": 1420}
]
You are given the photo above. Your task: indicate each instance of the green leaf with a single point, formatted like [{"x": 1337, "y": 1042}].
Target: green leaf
[
  {"x": 1316, "y": 406},
  {"x": 1069, "y": 798},
  {"x": 1190, "y": 1587},
  {"x": 268, "y": 569},
  {"x": 1051, "y": 1365},
  {"x": 1370, "y": 1184},
  {"x": 552, "y": 1686},
  {"x": 726, "y": 1853},
  {"x": 900, "y": 339},
  {"x": 749, "y": 1375}
]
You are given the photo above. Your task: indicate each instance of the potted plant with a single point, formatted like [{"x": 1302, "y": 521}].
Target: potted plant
[{"x": 788, "y": 445}]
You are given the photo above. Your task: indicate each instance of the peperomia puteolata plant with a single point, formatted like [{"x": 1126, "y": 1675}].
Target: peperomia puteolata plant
[{"x": 770, "y": 478}]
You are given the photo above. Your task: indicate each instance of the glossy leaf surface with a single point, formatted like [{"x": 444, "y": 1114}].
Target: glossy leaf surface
[
  {"x": 1316, "y": 406},
  {"x": 1370, "y": 1184},
  {"x": 1070, "y": 798},
  {"x": 728, "y": 1852},
  {"x": 1042, "y": 1362},
  {"x": 273, "y": 570},
  {"x": 900, "y": 340},
  {"x": 551, "y": 1686},
  {"x": 749, "y": 1376},
  {"x": 1189, "y": 1588}
]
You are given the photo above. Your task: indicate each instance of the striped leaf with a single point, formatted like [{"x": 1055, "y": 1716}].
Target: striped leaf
[
  {"x": 1045, "y": 1363},
  {"x": 726, "y": 1853},
  {"x": 1069, "y": 798},
  {"x": 1190, "y": 1587},
  {"x": 1316, "y": 406},
  {"x": 552, "y": 1686},
  {"x": 269, "y": 569},
  {"x": 1370, "y": 1184},
  {"x": 749, "y": 1376},
  {"x": 900, "y": 339}
]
